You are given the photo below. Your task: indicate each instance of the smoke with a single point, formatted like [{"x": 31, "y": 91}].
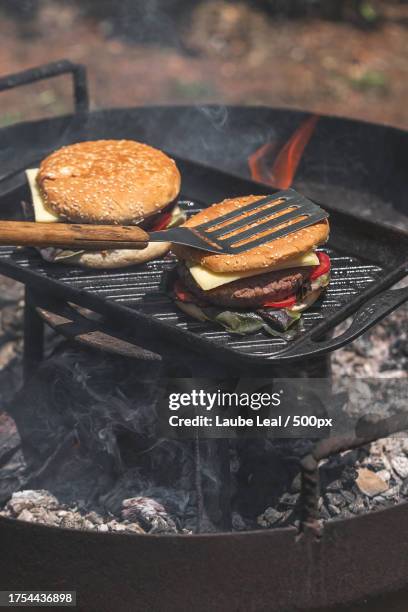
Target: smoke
[{"x": 87, "y": 423}]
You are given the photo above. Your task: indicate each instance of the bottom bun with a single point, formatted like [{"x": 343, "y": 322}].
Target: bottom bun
[{"x": 115, "y": 258}]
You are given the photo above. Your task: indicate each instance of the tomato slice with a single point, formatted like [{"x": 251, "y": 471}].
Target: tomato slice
[
  {"x": 290, "y": 301},
  {"x": 181, "y": 293},
  {"x": 162, "y": 223},
  {"x": 322, "y": 268}
]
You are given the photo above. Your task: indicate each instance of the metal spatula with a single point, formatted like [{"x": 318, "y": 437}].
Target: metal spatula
[
  {"x": 249, "y": 226},
  {"x": 236, "y": 232}
]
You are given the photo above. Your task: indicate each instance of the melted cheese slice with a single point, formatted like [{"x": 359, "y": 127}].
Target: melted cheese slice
[
  {"x": 208, "y": 280},
  {"x": 41, "y": 214}
]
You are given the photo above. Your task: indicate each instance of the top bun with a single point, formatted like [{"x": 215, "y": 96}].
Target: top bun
[
  {"x": 108, "y": 181},
  {"x": 271, "y": 253}
]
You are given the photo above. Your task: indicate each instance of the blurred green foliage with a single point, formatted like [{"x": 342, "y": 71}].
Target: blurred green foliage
[{"x": 371, "y": 80}]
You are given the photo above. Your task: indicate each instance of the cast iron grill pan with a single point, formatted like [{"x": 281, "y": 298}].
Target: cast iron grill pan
[{"x": 359, "y": 286}]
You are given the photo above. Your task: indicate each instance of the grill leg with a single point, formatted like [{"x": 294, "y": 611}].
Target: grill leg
[{"x": 33, "y": 336}]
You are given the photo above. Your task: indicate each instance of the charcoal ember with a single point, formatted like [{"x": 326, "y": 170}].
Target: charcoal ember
[
  {"x": 385, "y": 475},
  {"x": 400, "y": 466},
  {"x": 391, "y": 493},
  {"x": 270, "y": 517},
  {"x": 39, "y": 515},
  {"x": 334, "y": 499},
  {"x": 149, "y": 513},
  {"x": 296, "y": 484},
  {"x": 94, "y": 518},
  {"x": 73, "y": 520},
  {"x": 288, "y": 500},
  {"x": 117, "y": 527},
  {"x": 43, "y": 508},
  {"x": 335, "y": 485},
  {"x": 333, "y": 510},
  {"x": 399, "y": 347},
  {"x": 349, "y": 497},
  {"x": 31, "y": 499},
  {"x": 237, "y": 522},
  {"x": 12, "y": 292},
  {"x": 404, "y": 488},
  {"x": 339, "y": 468},
  {"x": 12, "y": 320},
  {"x": 377, "y": 463},
  {"x": 324, "y": 513},
  {"x": 9, "y": 438},
  {"x": 8, "y": 353},
  {"x": 26, "y": 515},
  {"x": 346, "y": 513},
  {"x": 349, "y": 476},
  {"x": 358, "y": 506},
  {"x": 289, "y": 518},
  {"x": 133, "y": 528}
]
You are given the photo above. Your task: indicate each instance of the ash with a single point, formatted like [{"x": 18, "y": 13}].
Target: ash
[
  {"x": 40, "y": 506},
  {"x": 79, "y": 449},
  {"x": 382, "y": 352}
]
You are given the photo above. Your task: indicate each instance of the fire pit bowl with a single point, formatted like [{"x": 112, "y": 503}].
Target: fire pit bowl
[{"x": 269, "y": 570}]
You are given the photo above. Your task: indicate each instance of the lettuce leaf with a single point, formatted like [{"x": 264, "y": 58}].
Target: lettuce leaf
[
  {"x": 178, "y": 217},
  {"x": 240, "y": 322},
  {"x": 53, "y": 254},
  {"x": 243, "y": 323}
]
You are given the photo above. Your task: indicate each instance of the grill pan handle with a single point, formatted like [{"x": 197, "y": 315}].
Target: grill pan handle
[
  {"x": 372, "y": 311},
  {"x": 47, "y": 71}
]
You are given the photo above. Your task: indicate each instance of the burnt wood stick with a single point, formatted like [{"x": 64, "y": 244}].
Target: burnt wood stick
[{"x": 74, "y": 236}]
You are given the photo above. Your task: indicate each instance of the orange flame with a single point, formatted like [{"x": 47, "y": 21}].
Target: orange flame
[{"x": 286, "y": 163}]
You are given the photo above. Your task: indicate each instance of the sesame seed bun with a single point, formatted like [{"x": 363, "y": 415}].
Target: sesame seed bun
[
  {"x": 108, "y": 181},
  {"x": 272, "y": 253}
]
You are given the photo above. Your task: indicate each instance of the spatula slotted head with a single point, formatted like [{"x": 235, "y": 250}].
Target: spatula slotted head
[
  {"x": 243, "y": 229},
  {"x": 267, "y": 219}
]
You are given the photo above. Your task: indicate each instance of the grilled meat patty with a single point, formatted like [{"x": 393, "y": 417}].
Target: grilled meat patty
[{"x": 249, "y": 292}]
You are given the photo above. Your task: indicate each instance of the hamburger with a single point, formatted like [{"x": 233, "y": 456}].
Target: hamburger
[
  {"x": 108, "y": 182},
  {"x": 266, "y": 287}
]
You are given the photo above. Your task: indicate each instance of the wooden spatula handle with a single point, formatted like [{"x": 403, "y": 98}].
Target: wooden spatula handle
[{"x": 74, "y": 236}]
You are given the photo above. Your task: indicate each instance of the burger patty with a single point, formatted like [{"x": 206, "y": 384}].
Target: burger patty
[{"x": 250, "y": 292}]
